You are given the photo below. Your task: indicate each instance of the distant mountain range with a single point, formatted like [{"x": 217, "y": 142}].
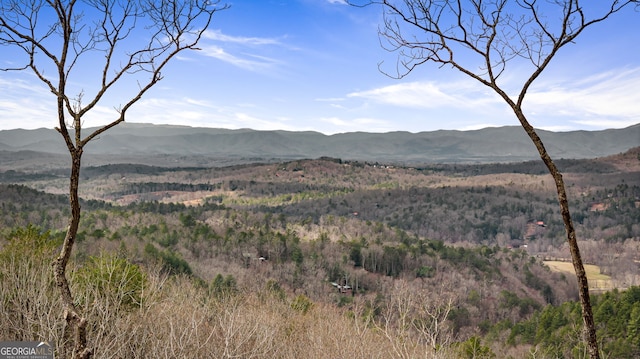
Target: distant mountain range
[{"x": 501, "y": 144}]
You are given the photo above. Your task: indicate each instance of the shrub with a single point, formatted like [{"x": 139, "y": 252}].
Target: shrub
[
  {"x": 302, "y": 303},
  {"x": 28, "y": 297},
  {"x": 112, "y": 278}
]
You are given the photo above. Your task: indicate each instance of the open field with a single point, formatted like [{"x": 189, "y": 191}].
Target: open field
[{"x": 597, "y": 280}]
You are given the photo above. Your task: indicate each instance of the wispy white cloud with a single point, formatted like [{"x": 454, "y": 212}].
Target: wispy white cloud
[
  {"x": 430, "y": 94},
  {"x": 174, "y": 111},
  {"x": 199, "y": 112},
  {"x": 25, "y": 104},
  {"x": 603, "y": 100},
  {"x": 17, "y": 84},
  {"x": 333, "y": 102},
  {"x": 217, "y": 35},
  {"x": 248, "y": 62},
  {"x": 240, "y": 51},
  {"x": 409, "y": 94}
]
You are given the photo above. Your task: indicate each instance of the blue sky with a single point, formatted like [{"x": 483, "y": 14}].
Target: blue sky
[{"x": 304, "y": 65}]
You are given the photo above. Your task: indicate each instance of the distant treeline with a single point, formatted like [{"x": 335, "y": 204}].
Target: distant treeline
[
  {"x": 146, "y": 187},
  {"x": 12, "y": 176},
  {"x": 527, "y": 167}
]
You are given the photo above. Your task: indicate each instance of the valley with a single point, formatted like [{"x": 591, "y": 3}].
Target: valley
[{"x": 469, "y": 241}]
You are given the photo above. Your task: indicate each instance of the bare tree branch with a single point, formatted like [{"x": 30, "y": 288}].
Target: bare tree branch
[
  {"x": 481, "y": 38},
  {"x": 54, "y": 38}
]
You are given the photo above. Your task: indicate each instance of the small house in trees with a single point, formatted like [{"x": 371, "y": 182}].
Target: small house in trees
[{"x": 343, "y": 288}]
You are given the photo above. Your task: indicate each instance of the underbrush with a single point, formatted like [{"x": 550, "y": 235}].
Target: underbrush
[
  {"x": 146, "y": 311},
  {"x": 136, "y": 312}
]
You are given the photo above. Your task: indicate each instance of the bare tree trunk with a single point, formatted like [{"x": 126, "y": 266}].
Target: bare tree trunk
[
  {"x": 576, "y": 258},
  {"x": 62, "y": 41},
  {"x": 75, "y": 324},
  {"x": 494, "y": 33}
]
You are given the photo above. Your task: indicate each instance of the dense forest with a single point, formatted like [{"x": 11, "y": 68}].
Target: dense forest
[{"x": 452, "y": 259}]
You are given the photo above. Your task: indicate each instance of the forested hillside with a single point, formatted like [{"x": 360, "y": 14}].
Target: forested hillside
[
  {"x": 141, "y": 143},
  {"x": 457, "y": 250}
]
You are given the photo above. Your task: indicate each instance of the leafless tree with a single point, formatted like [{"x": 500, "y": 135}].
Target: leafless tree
[
  {"x": 484, "y": 39},
  {"x": 414, "y": 321},
  {"x": 123, "y": 42}
]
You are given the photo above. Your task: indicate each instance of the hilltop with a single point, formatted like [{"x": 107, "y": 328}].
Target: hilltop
[{"x": 182, "y": 145}]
